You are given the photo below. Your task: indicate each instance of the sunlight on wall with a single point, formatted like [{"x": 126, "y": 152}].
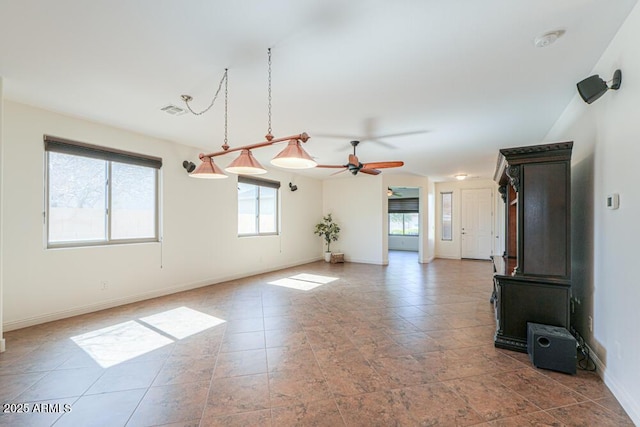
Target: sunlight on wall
[
  {"x": 303, "y": 281},
  {"x": 125, "y": 341}
]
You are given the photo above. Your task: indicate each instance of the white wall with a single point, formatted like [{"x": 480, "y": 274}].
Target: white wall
[
  {"x": 200, "y": 244},
  {"x": 404, "y": 243},
  {"x": 357, "y": 204},
  {"x": 2, "y": 343},
  {"x": 605, "y": 242},
  {"x": 452, "y": 248}
]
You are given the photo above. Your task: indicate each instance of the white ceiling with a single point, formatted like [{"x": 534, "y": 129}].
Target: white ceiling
[{"x": 462, "y": 77}]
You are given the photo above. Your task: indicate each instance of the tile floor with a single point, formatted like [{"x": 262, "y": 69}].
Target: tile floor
[{"x": 320, "y": 344}]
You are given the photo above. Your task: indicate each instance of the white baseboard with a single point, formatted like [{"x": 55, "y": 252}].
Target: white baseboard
[
  {"x": 366, "y": 261},
  {"x": 447, "y": 257},
  {"x": 629, "y": 404},
  {"x": 90, "y": 308}
]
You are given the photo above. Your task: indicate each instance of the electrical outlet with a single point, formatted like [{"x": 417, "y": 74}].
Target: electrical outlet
[
  {"x": 590, "y": 319},
  {"x": 104, "y": 285},
  {"x": 618, "y": 349}
]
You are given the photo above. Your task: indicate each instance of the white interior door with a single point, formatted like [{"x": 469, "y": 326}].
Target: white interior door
[{"x": 477, "y": 223}]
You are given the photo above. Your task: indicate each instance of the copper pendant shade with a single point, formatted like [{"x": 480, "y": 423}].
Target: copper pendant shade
[
  {"x": 246, "y": 164},
  {"x": 207, "y": 169},
  {"x": 294, "y": 157}
]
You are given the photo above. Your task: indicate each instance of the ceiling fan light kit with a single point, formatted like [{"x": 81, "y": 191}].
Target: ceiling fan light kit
[{"x": 292, "y": 157}]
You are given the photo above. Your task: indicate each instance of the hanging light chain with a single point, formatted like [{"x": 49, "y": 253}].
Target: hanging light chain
[
  {"x": 188, "y": 98},
  {"x": 269, "y": 136},
  {"x": 225, "y": 146}
]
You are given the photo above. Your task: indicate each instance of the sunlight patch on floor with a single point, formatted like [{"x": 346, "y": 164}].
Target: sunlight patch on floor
[
  {"x": 303, "y": 281},
  {"x": 125, "y": 341},
  {"x": 182, "y": 322}
]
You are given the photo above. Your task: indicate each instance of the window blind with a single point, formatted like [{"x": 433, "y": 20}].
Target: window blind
[
  {"x": 65, "y": 146},
  {"x": 242, "y": 179},
  {"x": 408, "y": 205}
]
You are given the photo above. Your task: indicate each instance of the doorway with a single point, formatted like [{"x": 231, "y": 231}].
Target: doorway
[
  {"x": 403, "y": 218},
  {"x": 476, "y": 223}
]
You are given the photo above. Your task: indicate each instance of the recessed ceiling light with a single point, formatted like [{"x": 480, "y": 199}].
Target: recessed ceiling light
[{"x": 548, "y": 38}]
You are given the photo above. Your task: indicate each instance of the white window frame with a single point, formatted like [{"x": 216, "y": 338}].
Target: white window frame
[
  {"x": 404, "y": 232},
  {"x": 81, "y": 149},
  {"x": 442, "y": 219},
  {"x": 259, "y": 182}
]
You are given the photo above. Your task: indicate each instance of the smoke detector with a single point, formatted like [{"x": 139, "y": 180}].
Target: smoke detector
[{"x": 548, "y": 38}]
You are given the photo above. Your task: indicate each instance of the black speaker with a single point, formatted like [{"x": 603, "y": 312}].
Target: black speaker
[
  {"x": 593, "y": 87},
  {"x": 551, "y": 347}
]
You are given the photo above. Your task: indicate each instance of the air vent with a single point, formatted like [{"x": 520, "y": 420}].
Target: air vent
[{"x": 173, "y": 110}]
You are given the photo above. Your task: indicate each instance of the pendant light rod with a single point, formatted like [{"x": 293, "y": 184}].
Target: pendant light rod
[{"x": 304, "y": 137}]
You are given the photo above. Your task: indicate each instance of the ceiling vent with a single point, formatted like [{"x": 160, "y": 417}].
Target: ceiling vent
[{"x": 173, "y": 110}]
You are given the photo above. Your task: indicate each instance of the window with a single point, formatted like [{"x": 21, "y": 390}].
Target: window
[
  {"x": 257, "y": 206},
  {"x": 447, "y": 209},
  {"x": 97, "y": 195},
  {"x": 404, "y": 217}
]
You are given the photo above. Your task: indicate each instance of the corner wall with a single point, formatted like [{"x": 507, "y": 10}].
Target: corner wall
[
  {"x": 356, "y": 203},
  {"x": 604, "y": 247},
  {"x": 199, "y": 244},
  {"x": 359, "y": 205}
]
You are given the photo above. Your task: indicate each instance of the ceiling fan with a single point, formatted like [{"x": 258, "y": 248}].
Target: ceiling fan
[
  {"x": 371, "y": 134},
  {"x": 354, "y": 166},
  {"x": 391, "y": 192}
]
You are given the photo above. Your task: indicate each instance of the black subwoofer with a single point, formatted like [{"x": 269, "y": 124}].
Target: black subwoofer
[{"x": 551, "y": 347}]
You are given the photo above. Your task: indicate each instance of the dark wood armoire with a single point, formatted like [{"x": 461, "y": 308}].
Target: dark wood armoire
[{"x": 533, "y": 278}]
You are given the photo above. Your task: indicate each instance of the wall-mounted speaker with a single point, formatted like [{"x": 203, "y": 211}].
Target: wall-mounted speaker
[
  {"x": 594, "y": 87},
  {"x": 189, "y": 166}
]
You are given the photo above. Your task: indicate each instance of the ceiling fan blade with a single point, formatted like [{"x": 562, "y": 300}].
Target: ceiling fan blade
[
  {"x": 331, "y": 166},
  {"x": 382, "y": 165},
  {"x": 339, "y": 172},
  {"x": 370, "y": 171},
  {"x": 399, "y": 134},
  {"x": 353, "y": 160},
  {"x": 334, "y": 136}
]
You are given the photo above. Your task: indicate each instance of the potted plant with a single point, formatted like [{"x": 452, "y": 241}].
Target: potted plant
[{"x": 329, "y": 231}]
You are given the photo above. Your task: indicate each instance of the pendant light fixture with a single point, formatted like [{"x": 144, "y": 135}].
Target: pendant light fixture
[
  {"x": 293, "y": 156},
  {"x": 208, "y": 169},
  {"x": 246, "y": 164}
]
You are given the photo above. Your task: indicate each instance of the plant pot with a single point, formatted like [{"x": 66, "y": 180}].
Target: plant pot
[{"x": 327, "y": 256}]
